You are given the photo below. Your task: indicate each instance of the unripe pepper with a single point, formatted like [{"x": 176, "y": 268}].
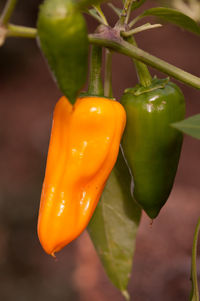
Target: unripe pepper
[
  {"x": 63, "y": 39},
  {"x": 83, "y": 149},
  {"x": 151, "y": 146}
]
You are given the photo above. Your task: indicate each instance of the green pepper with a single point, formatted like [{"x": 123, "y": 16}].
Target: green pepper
[
  {"x": 150, "y": 145},
  {"x": 63, "y": 38}
]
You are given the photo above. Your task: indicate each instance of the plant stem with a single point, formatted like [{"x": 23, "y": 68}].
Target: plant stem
[
  {"x": 7, "y": 12},
  {"x": 93, "y": 13},
  {"x": 134, "y": 21},
  {"x": 101, "y": 14},
  {"x": 138, "y": 29},
  {"x": 143, "y": 73},
  {"x": 128, "y": 12},
  {"x": 108, "y": 74},
  {"x": 126, "y": 295},
  {"x": 118, "y": 44},
  {"x": 195, "y": 291},
  {"x": 21, "y": 31},
  {"x": 125, "y": 13},
  {"x": 95, "y": 82},
  {"x": 115, "y": 9}
]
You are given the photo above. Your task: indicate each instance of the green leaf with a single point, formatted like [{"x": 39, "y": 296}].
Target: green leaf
[
  {"x": 114, "y": 226},
  {"x": 190, "y": 126},
  {"x": 173, "y": 16},
  {"x": 137, "y": 3},
  {"x": 194, "y": 296}
]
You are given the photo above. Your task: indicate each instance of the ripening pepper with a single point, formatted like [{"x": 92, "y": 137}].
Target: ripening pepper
[
  {"x": 63, "y": 39},
  {"x": 151, "y": 146},
  {"x": 83, "y": 149}
]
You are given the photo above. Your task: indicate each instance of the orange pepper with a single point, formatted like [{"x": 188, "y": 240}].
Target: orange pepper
[{"x": 83, "y": 149}]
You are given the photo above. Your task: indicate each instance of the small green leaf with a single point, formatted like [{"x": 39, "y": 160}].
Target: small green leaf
[
  {"x": 137, "y": 3},
  {"x": 114, "y": 226},
  {"x": 173, "y": 16},
  {"x": 190, "y": 126},
  {"x": 194, "y": 296}
]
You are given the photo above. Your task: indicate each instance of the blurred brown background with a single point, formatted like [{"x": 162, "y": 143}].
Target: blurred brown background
[{"x": 28, "y": 94}]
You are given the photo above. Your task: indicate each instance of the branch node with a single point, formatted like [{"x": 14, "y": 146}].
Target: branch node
[{"x": 109, "y": 33}]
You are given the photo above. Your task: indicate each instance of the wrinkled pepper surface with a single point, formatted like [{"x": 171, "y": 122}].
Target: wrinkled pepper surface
[
  {"x": 83, "y": 149},
  {"x": 151, "y": 146},
  {"x": 63, "y": 39}
]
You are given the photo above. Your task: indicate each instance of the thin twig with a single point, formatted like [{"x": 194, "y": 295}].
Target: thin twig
[{"x": 7, "y": 12}]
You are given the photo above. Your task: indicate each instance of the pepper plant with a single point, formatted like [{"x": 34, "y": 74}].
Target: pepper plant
[{"x": 84, "y": 147}]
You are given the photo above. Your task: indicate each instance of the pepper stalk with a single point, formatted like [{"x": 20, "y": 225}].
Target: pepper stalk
[
  {"x": 142, "y": 70},
  {"x": 7, "y": 12},
  {"x": 95, "y": 87},
  {"x": 143, "y": 73}
]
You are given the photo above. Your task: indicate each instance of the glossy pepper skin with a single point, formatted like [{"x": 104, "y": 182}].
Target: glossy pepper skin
[
  {"x": 63, "y": 39},
  {"x": 83, "y": 149},
  {"x": 151, "y": 146}
]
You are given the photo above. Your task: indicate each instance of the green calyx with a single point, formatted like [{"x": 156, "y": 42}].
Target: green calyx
[
  {"x": 151, "y": 146},
  {"x": 87, "y": 94},
  {"x": 155, "y": 84}
]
